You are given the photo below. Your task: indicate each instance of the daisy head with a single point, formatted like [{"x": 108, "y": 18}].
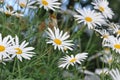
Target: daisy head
[
  {"x": 22, "y": 3},
  {"x": 7, "y": 10},
  {"x": 5, "y": 47},
  {"x": 102, "y": 6},
  {"x": 21, "y": 50},
  {"x": 107, "y": 58},
  {"x": 114, "y": 43},
  {"x": 66, "y": 61},
  {"x": 89, "y": 18},
  {"x": 102, "y": 71},
  {"x": 49, "y": 4},
  {"x": 104, "y": 35},
  {"x": 115, "y": 74},
  {"x": 26, "y": 3},
  {"x": 116, "y": 28},
  {"x": 59, "y": 39}
]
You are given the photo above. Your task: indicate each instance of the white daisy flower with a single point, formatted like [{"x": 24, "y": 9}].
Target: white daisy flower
[
  {"x": 116, "y": 29},
  {"x": 26, "y": 3},
  {"x": 104, "y": 35},
  {"x": 102, "y": 71},
  {"x": 21, "y": 50},
  {"x": 59, "y": 39},
  {"x": 102, "y": 6},
  {"x": 115, "y": 74},
  {"x": 89, "y": 18},
  {"x": 114, "y": 44},
  {"x": 5, "y": 47},
  {"x": 7, "y": 10},
  {"x": 107, "y": 58},
  {"x": 49, "y": 4},
  {"x": 66, "y": 61}
]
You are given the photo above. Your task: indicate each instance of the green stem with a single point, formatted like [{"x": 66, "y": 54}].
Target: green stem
[
  {"x": 14, "y": 65},
  {"x": 1, "y": 68},
  {"x": 1, "y": 71},
  {"x": 19, "y": 71},
  {"x": 79, "y": 33},
  {"x": 89, "y": 42}
]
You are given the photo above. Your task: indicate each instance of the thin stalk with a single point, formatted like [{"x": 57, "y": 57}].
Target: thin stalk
[
  {"x": 89, "y": 42},
  {"x": 1, "y": 68},
  {"x": 14, "y": 65},
  {"x": 19, "y": 71}
]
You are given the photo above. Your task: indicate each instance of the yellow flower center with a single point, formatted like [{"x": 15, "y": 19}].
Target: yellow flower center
[
  {"x": 88, "y": 19},
  {"x": 105, "y": 36},
  {"x": 22, "y": 5},
  {"x": 73, "y": 60},
  {"x": 19, "y": 51},
  {"x": 118, "y": 32},
  {"x": 110, "y": 61},
  {"x": 101, "y": 9},
  {"x": 57, "y": 41},
  {"x": 8, "y": 13},
  {"x": 107, "y": 49},
  {"x": 2, "y": 48},
  {"x": 44, "y": 2},
  {"x": 117, "y": 46}
]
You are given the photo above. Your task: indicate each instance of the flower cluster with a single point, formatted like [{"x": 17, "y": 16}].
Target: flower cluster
[
  {"x": 102, "y": 6},
  {"x": 93, "y": 18},
  {"x": 59, "y": 40},
  {"x": 11, "y": 48},
  {"x": 97, "y": 19},
  {"x": 111, "y": 37},
  {"x": 24, "y": 5}
]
